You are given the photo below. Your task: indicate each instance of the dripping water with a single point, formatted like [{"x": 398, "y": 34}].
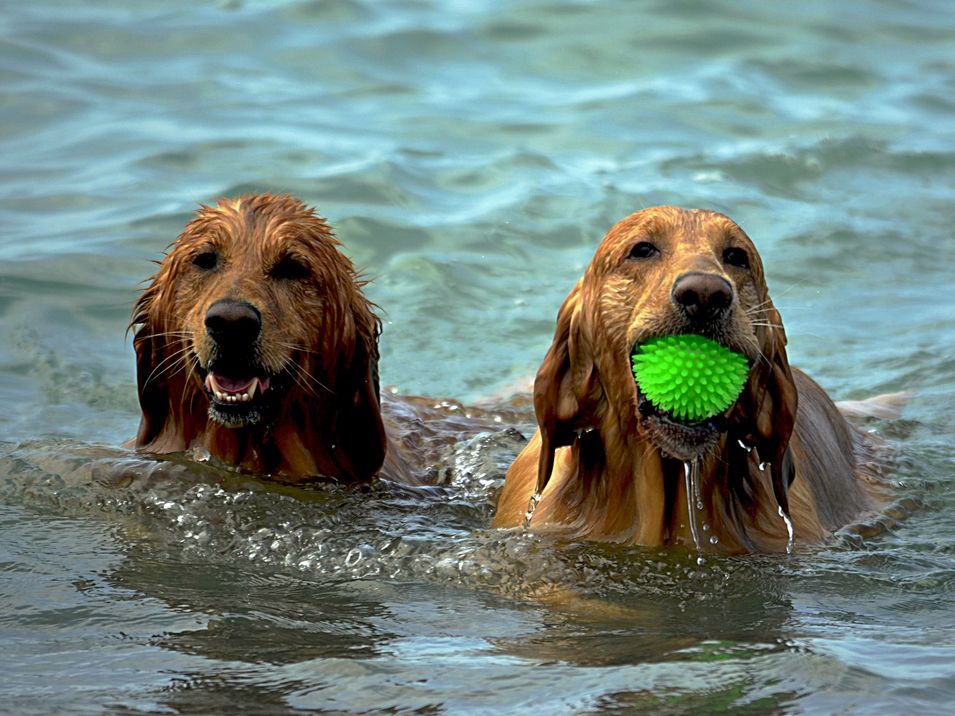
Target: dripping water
[
  {"x": 791, "y": 539},
  {"x": 691, "y": 479},
  {"x": 695, "y": 479},
  {"x": 531, "y": 507},
  {"x": 791, "y": 542}
]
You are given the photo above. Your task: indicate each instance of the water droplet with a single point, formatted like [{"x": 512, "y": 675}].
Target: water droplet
[
  {"x": 714, "y": 539},
  {"x": 747, "y": 448},
  {"x": 763, "y": 466}
]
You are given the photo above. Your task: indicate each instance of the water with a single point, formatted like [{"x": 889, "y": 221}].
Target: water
[
  {"x": 470, "y": 156},
  {"x": 790, "y": 530},
  {"x": 691, "y": 484}
]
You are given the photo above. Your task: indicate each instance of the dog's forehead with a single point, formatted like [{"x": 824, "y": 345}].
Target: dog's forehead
[
  {"x": 243, "y": 224},
  {"x": 676, "y": 224},
  {"x": 254, "y": 224},
  {"x": 690, "y": 229}
]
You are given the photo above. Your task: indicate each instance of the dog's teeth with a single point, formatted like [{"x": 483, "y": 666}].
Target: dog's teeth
[{"x": 226, "y": 397}]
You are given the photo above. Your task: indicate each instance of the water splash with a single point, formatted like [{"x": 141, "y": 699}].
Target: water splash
[
  {"x": 691, "y": 478},
  {"x": 531, "y": 507}
]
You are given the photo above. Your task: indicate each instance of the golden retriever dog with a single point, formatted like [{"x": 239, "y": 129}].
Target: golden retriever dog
[
  {"x": 607, "y": 465},
  {"x": 255, "y": 344}
]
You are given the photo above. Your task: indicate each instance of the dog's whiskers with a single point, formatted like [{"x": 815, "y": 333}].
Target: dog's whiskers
[
  {"x": 296, "y": 347},
  {"x": 167, "y": 334},
  {"x": 307, "y": 380},
  {"x": 302, "y": 382},
  {"x": 175, "y": 362}
]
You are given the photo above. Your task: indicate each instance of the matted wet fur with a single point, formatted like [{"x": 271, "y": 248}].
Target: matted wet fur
[
  {"x": 255, "y": 344},
  {"x": 613, "y": 468}
]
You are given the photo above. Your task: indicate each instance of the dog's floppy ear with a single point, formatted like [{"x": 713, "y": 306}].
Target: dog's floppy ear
[
  {"x": 152, "y": 367},
  {"x": 563, "y": 383},
  {"x": 359, "y": 433},
  {"x": 765, "y": 413},
  {"x": 345, "y": 423}
]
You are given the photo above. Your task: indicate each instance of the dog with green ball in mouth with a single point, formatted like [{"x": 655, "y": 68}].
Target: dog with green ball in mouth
[{"x": 668, "y": 413}]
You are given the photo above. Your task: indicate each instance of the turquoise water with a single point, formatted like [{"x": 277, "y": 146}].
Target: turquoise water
[{"x": 470, "y": 156}]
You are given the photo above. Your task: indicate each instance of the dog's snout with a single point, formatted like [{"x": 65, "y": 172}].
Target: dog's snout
[
  {"x": 233, "y": 322},
  {"x": 702, "y": 296}
]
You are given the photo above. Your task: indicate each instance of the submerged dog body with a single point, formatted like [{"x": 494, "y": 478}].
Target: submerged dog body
[
  {"x": 610, "y": 466},
  {"x": 255, "y": 343}
]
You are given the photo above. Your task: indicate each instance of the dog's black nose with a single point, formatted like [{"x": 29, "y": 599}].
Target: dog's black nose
[
  {"x": 702, "y": 296},
  {"x": 233, "y": 322}
]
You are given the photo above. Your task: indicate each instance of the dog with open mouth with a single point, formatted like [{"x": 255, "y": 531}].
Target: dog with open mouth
[
  {"x": 780, "y": 463},
  {"x": 255, "y": 344}
]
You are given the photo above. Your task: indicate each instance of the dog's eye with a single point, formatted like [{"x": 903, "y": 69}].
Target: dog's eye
[
  {"x": 736, "y": 257},
  {"x": 290, "y": 269},
  {"x": 206, "y": 261},
  {"x": 643, "y": 250}
]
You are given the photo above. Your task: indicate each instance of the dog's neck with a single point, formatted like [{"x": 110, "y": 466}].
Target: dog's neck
[
  {"x": 269, "y": 450},
  {"x": 298, "y": 444},
  {"x": 289, "y": 448},
  {"x": 620, "y": 488}
]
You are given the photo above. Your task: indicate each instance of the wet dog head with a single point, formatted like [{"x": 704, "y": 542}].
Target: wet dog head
[
  {"x": 255, "y": 319},
  {"x": 660, "y": 272}
]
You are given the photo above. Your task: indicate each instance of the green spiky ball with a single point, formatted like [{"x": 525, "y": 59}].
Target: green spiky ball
[{"x": 689, "y": 376}]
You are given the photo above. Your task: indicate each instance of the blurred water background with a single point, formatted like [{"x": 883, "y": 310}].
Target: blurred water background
[{"x": 471, "y": 154}]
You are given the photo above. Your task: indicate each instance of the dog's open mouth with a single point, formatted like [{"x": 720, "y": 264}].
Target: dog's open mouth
[
  {"x": 675, "y": 437},
  {"x": 685, "y": 386},
  {"x": 230, "y": 391},
  {"x": 238, "y": 399}
]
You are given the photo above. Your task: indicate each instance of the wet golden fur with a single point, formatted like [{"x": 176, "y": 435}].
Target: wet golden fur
[
  {"x": 317, "y": 347},
  {"x": 608, "y": 468}
]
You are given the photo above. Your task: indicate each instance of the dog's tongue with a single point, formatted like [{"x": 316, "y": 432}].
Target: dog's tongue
[
  {"x": 229, "y": 385},
  {"x": 224, "y": 384}
]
